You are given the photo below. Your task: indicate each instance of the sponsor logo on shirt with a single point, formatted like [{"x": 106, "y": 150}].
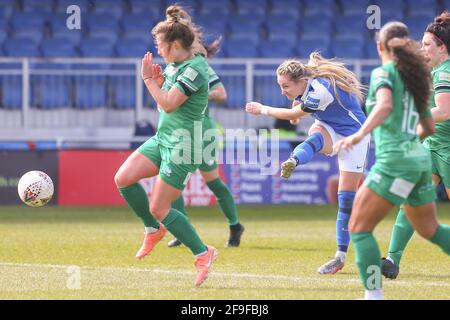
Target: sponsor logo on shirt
[
  {"x": 190, "y": 73},
  {"x": 444, "y": 76}
]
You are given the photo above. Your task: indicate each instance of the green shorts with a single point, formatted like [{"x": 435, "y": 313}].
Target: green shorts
[
  {"x": 209, "y": 158},
  {"x": 414, "y": 188},
  {"x": 176, "y": 175},
  {"x": 440, "y": 160}
]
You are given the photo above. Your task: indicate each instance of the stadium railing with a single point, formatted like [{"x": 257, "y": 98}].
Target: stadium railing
[{"x": 101, "y": 99}]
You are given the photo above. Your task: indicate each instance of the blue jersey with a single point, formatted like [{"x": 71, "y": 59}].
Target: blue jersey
[{"x": 320, "y": 100}]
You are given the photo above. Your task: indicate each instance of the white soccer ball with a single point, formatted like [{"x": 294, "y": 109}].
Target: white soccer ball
[{"x": 35, "y": 188}]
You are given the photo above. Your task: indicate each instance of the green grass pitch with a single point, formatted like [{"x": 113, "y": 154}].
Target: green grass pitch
[{"x": 280, "y": 252}]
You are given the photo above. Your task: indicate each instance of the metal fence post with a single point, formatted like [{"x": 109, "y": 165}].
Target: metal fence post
[
  {"x": 139, "y": 92},
  {"x": 25, "y": 92},
  {"x": 249, "y": 85}
]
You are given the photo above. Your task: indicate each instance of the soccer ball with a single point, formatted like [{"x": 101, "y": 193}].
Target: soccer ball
[{"x": 35, "y": 188}]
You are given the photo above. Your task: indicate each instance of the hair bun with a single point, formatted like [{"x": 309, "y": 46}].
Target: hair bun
[
  {"x": 398, "y": 42},
  {"x": 443, "y": 19},
  {"x": 173, "y": 14}
]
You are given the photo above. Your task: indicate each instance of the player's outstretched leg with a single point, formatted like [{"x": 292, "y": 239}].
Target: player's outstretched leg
[
  {"x": 302, "y": 154},
  {"x": 345, "y": 201}
]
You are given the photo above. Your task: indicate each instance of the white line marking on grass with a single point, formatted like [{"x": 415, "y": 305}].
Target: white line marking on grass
[{"x": 324, "y": 279}]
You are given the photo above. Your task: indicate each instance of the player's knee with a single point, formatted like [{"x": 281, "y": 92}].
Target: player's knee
[
  {"x": 355, "y": 225},
  {"x": 158, "y": 210},
  {"x": 121, "y": 180}
]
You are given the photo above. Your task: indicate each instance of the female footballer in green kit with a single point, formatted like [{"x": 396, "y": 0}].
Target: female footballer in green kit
[
  {"x": 182, "y": 97},
  {"x": 436, "y": 49},
  {"x": 209, "y": 169},
  {"x": 396, "y": 102}
]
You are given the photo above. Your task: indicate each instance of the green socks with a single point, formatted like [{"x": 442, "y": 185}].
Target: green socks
[
  {"x": 400, "y": 236},
  {"x": 368, "y": 259},
  {"x": 225, "y": 200},
  {"x": 179, "y": 205},
  {"x": 181, "y": 228},
  {"x": 137, "y": 200},
  {"x": 442, "y": 238}
]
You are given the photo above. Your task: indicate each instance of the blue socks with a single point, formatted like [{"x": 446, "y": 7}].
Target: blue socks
[
  {"x": 345, "y": 201},
  {"x": 304, "y": 152}
]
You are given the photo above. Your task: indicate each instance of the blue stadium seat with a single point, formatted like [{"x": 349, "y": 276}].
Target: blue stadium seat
[
  {"x": 190, "y": 5},
  {"x": 276, "y": 49},
  {"x": 345, "y": 25},
  {"x": 90, "y": 93},
  {"x": 143, "y": 36},
  {"x": 286, "y": 8},
  {"x": 136, "y": 22},
  {"x": 354, "y": 8},
  {"x": 316, "y": 25},
  {"x": 279, "y": 24},
  {"x": 102, "y": 26},
  {"x": 124, "y": 92},
  {"x": 390, "y": 6},
  {"x": 289, "y": 37},
  {"x": 348, "y": 49},
  {"x": 155, "y": 10},
  {"x": 309, "y": 44},
  {"x": 3, "y": 36},
  {"x": 28, "y": 25},
  {"x": 371, "y": 50},
  {"x": 57, "y": 26},
  {"x": 96, "y": 48},
  {"x": 11, "y": 87},
  {"x": 21, "y": 48},
  {"x": 212, "y": 21},
  {"x": 131, "y": 48},
  {"x": 241, "y": 49},
  {"x": 314, "y": 7},
  {"x": 445, "y": 5},
  {"x": 245, "y": 27},
  {"x": 417, "y": 8},
  {"x": 5, "y": 13},
  {"x": 115, "y": 8},
  {"x": 416, "y": 26},
  {"x": 357, "y": 38},
  {"x": 51, "y": 92},
  {"x": 254, "y": 7},
  {"x": 58, "y": 48},
  {"x": 392, "y": 16},
  {"x": 207, "y": 7},
  {"x": 268, "y": 92},
  {"x": 236, "y": 85},
  {"x": 43, "y": 7},
  {"x": 12, "y": 4},
  {"x": 85, "y": 5}
]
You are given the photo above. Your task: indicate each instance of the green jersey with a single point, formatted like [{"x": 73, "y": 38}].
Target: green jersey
[
  {"x": 190, "y": 77},
  {"x": 397, "y": 145},
  {"x": 214, "y": 82},
  {"x": 441, "y": 83}
]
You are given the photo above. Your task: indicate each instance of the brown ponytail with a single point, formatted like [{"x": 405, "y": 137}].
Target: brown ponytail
[{"x": 409, "y": 62}]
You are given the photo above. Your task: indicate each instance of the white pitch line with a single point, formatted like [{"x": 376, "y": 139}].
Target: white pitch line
[{"x": 325, "y": 279}]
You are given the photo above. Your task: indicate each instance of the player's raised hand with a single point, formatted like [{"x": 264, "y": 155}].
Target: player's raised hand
[
  {"x": 158, "y": 74},
  {"x": 146, "y": 66},
  {"x": 253, "y": 108}
]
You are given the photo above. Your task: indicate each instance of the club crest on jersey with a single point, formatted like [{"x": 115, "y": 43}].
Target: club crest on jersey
[{"x": 190, "y": 73}]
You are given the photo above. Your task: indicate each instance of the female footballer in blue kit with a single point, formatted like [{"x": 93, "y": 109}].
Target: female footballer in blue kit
[{"x": 333, "y": 95}]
